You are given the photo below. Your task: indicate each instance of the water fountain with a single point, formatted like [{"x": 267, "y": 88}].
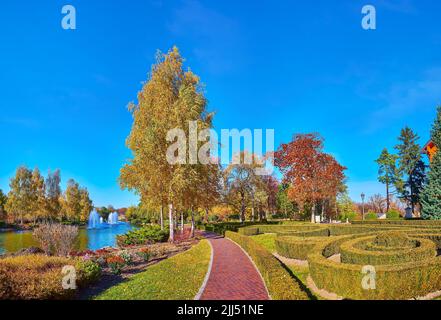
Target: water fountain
[
  {"x": 113, "y": 218},
  {"x": 94, "y": 220}
]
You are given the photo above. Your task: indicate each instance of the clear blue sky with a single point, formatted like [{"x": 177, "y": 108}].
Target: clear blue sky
[{"x": 295, "y": 66}]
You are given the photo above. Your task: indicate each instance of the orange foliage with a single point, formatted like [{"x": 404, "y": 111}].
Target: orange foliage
[{"x": 312, "y": 174}]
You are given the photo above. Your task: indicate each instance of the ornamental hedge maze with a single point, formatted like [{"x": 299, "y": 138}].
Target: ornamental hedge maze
[{"x": 365, "y": 260}]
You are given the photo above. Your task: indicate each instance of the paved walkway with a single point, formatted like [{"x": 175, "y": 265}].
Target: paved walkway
[{"x": 233, "y": 276}]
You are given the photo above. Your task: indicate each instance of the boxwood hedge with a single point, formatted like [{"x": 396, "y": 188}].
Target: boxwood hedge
[
  {"x": 403, "y": 254},
  {"x": 281, "y": 285},
  {"x": 397, "y": 281}
]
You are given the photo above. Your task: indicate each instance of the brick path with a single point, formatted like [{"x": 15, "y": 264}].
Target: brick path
[{"x": 233, "y": 276}]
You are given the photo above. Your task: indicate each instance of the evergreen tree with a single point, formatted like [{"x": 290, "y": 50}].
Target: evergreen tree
[
  {"x": 411, "y": 166},
  {"x": 431, "y": 195},
  {"x": 388, "y": 174}
]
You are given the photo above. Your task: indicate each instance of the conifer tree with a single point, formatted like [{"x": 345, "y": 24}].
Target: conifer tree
[
  {"x": 388, "y": 174},
  {"x": 411, "y": 166}
]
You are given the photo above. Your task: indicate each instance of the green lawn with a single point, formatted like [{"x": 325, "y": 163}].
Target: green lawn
[
  {"x": 267, "y": 240},
  {"x": 177, "y": 278}
]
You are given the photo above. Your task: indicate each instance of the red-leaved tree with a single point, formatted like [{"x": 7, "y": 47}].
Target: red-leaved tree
[{"x": 314, "y": 177}]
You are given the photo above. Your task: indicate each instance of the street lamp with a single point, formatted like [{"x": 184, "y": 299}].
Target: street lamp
[{"x": 362, "y": 203}]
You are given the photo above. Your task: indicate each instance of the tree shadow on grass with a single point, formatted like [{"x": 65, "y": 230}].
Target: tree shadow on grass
[
  {"x": 106, "y": 282},
  {"x": 302, "y": 286},
  {"x": 109, "y": 280}
]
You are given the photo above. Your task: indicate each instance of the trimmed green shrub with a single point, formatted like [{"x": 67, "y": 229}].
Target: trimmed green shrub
[
  {"x": 348, "y": 229},
  {"x": 413, "y": 223},
  {"x": 145, "y": 235},
  {"x": 295, "y": 247},
  {"x": 249, "y": 231},
  {"x": 392, "y": 239},
  {"x": 350, "y": 216},
  {"x": 221, "y": 228},
  {"x": 371, "y": 216},
  {"x": 280, "y": 284},
  {"x": 89, "y": 272}
]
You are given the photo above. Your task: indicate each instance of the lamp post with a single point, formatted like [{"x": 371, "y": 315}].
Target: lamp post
[{"x": 362, "y": 204}]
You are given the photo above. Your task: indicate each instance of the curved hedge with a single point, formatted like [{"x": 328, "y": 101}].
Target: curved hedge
[
  {"x": 296, "y": 247},
  {"x": 249, "y": 231},
  {"x": 280, "y": 284},
  {"x": 403, "y": 255},
  {"x": 300, "y": 230},
  {"x": 424, "y": 249},
  {"x": 399, "y": 281}
]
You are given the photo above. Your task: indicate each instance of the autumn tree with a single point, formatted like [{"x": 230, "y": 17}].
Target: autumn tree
[
  {"x": 3, "y": 200},
  {"x": 86, "y": 204},
  {"x": 71, "y": 202},
  {"x": 285, "y": 206},
  {"x": 265, "y": 196},
  {"x": 312, "y": 175},
  {"x": 167, "y": 102},
  {"x": 21, "y": 195},
  {"x": 346, "y": 208},
  {"x": 210, "y": 188},
  {"x": 411, "y": 166},
  {"x": 104, "y": 212},
  {"x": 389, "y": 175},
  {"x": 430, "y": 196},
  {"x": 39, "y": 204},
  {"x": 378, "y": 203},
  {"x": 272, "y": 188},
  {"x": 241, "y": 181},
  {"x": 53, "y": 194}
]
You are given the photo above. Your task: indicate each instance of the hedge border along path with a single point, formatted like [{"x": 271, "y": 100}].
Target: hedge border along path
[
  {"x": 281, "y": 285},
  {"x": 233, "y": 275},
  {"x": 176, "y": 278}
]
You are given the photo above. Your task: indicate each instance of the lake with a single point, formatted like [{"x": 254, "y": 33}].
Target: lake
[{"x": 93, "y": 239}]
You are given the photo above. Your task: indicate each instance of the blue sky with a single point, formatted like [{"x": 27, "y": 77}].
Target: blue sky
[{"x": 294, "y": 66}]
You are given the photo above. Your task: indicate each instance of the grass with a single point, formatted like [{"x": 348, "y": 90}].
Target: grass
[
  {"x": 177, "y": 278},
  {"x": 267, "y": 240}
]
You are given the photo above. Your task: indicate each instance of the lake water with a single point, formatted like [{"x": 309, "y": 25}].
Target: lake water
[{"x": 92, "y": 239}]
